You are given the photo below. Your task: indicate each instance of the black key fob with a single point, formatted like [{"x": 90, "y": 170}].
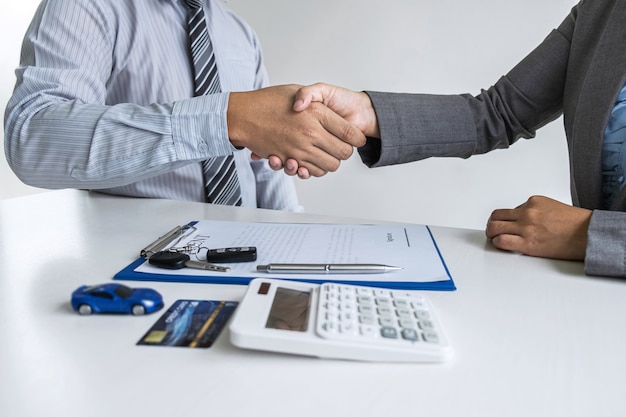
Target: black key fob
[
  {"x": 169, "y": 260},
  {"x": 239, "y": 254}
]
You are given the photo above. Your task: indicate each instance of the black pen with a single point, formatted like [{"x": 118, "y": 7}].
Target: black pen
[{"x": 326, "y": 268}]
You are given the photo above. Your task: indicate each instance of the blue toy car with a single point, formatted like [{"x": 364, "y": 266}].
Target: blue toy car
[{"x": 115, "y": 298}]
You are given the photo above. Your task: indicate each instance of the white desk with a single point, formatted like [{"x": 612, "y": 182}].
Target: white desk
[{"x": 533, "y": 337}]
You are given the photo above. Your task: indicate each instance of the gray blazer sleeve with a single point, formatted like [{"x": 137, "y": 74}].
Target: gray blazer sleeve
[
  {"x": 548, "y": 82},
  {"x": 419, "y": 126},
  {"x": 606, "y": 252}
]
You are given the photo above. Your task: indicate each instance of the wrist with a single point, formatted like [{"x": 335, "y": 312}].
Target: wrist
[
  {"x": 370, "y": 126},
  {"x": 235, "y": 122}
]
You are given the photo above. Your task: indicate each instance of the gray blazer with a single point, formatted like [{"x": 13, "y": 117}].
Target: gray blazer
[{"x": 572, "y": 72}]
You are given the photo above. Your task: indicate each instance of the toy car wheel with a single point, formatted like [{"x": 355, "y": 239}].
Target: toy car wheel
[
  {"x": 138, "y": 310},
  {"x": 84, "y": 309}
]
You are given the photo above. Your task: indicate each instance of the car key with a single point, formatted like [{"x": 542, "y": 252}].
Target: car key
[
  {"x": 177, "y": 260},
  {"x": 237, "y": 254}
]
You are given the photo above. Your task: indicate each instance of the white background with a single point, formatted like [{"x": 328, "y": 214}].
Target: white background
[{"x": 426, "y": 46}]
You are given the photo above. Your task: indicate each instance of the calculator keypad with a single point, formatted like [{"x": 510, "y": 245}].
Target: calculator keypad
[{"x": 378, "y": 315}]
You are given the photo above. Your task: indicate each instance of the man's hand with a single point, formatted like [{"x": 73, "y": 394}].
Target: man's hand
[
  {"x": 353, "y": 106},
  {"x": 541, "y": 227},
  {"x": 316, "y": 138}
]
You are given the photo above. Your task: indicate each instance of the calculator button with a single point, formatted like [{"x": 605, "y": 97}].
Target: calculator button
[
  {"x": 347, "y": 328},
  {"x": 347, "y": 306},
  {"x": 407, "y": 323},
  {"x": 410, "y": 334},
  {"x": 401, "y": 303},
  {"x": 330, "y": 305},
  {"x": 426, "y": 324},
  {"x": 347, "y": 316},
  {"x": 387, "y": 321},
  {"x": 404, "y": 313},
  {"x": 385, "y": 311},
  {"x": 383, "y": 301},
  {"x": 431, "y": 337},
  {"x": 367, "y": 319},
  {"x": 347, "y": 297},
  {"x": 330, "y": 326},
  {"x": 365, "y": 299},
  {"x": 368, "y": 331},
  {"x": 422, "y": 314},
  {"x": 402, "y": 294},
  {"x": 382, "y": 293},
  {"x": 365, "y": 291},
  {"x": 389, "y": 332},
  {"x": 366, "y": 309}
]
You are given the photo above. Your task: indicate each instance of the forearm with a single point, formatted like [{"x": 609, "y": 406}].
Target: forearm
[
  {"x": 64, "y": 129},
  {"x": 72, "y": 145},
  {"x": 418, "y": 126}
]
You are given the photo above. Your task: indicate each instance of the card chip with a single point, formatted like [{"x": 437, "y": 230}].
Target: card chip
[{"x": 155, "y": 336}]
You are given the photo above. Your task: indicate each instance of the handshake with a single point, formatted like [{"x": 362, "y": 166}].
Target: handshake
[{"x": 306, "y": 131}]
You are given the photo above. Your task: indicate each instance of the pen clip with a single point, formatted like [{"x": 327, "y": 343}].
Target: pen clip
[{"x": 163, "y": 241}]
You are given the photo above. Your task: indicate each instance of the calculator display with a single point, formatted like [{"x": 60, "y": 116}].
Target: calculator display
[{"x": 290, "y": 310}]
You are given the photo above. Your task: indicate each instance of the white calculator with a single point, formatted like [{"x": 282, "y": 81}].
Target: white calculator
[{"x": 339, "y": 321}]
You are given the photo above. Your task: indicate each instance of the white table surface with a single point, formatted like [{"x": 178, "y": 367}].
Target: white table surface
[{"x": 532, "y": 337}]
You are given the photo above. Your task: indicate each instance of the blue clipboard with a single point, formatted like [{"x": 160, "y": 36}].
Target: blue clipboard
[{"x": 130, "y": 273}]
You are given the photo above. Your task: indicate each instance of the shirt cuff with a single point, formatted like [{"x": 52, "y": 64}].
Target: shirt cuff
[{"x": 199, "y": 128}]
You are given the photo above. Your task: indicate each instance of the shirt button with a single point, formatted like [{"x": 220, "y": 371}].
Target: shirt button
[{"x": 203, "y": 147}]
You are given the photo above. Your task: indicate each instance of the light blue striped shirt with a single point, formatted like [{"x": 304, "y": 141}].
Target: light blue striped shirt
[
  {"x": 104, "y": 100},
  {"x": 614, "y": 152}
]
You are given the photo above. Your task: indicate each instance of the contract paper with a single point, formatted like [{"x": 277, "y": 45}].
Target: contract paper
[{"x": 411, "y": 247}]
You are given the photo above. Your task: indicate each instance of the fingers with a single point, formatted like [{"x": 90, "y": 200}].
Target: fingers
[
  {"x": 316, "y": 163},
  {"x": 275, "y": 163},
  {"x": 505, "y": 231},
  {"x": 513, "y": 237},
  {"x": 502, "y": 221},
  {"x": 303, "y": 173},
  {"x": 331, "y": 142},
  {"x": 316, "y": 138},
  {"x": 355, "y": 107},
  {"x": 504, "y": 215},
  {"x": 290, "y": 166},
  {"x": 511, "y": 243},
  {"x": 306, "y": 95},
  {"x": 498, "y": 228},
  {"x": 342, "y": 129}
]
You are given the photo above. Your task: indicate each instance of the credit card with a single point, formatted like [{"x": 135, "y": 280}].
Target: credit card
[{"x": 190, "y": 323}]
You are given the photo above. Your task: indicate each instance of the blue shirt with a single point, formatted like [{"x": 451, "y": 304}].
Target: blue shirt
[
  {"x": 104, "y": 100},
  {"x": 614, "y": 151}
]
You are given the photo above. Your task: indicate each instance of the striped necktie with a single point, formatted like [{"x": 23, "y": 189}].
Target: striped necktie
[{"x": 220, "y": 175}]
